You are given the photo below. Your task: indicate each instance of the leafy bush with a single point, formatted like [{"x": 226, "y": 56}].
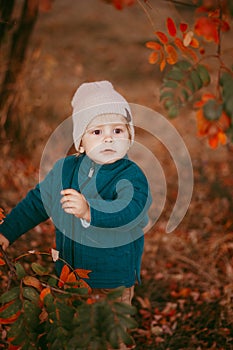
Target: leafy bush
[{"x": 42, "y": 311}]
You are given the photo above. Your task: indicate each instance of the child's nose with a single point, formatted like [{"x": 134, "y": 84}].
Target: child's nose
[{"x": 108, "y": 139}]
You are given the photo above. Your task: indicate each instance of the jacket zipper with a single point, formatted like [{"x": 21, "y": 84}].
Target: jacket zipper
[{"x": 90, "y": 174}]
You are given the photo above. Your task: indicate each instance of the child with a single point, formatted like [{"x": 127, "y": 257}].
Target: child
[{"x": 98, "y": 199}]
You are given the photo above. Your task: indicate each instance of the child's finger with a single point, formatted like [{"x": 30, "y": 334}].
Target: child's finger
[{"x": 68, "y": 191}]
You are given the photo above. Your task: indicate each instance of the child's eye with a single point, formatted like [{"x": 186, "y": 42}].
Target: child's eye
[
  {"x": 118, "y": 131},
  {"x": 96, "y": 132}
]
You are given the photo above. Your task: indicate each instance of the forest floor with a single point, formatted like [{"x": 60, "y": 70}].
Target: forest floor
[{"x": 185, "y": 300}]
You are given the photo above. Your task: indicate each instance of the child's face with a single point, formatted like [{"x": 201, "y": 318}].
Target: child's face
[{"x": 106, "y": 139}]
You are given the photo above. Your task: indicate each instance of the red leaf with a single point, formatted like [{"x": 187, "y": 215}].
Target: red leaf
[
  {"x": 162, "y": 37},
  {"x": 207, "y": 28},
  {"x": 2, "y": 262},
  {"x": 120, "y": 4},
  {"x": 183, "y": 27},
  {"x": 171, "y": 26}
]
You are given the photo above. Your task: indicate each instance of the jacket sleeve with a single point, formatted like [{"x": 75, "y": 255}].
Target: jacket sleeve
[
  {"x": 130, "y": 206},
  {"x": 29, "y": 212}
]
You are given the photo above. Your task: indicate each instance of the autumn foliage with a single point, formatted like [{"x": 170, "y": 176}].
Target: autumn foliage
[
  {"x": 183, "y": 47},
  {"x": 42, "y": 311}
]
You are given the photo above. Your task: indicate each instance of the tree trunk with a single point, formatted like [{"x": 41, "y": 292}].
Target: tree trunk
[
  {"x": 6, "y": 9},
  {"x": 10, "y": 119}
]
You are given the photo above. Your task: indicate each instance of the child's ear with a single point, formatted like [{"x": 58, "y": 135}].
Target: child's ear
[{"x": 81, "y": 149}]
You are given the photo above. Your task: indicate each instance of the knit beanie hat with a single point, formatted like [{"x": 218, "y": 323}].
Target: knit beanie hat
[{"x": 94, "y": 99}]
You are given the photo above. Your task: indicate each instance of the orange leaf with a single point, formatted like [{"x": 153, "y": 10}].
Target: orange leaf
[
  {"x": 162, "y": 64},
  {"x": 186, "y": 51},
  {"x": 11, "y": 319},
  {"x": 44, "y": 292},
  {"x": 63, "y": 276},
  {"x": 2, "y": 262},
  {"x": 71, "y": 277},
  {"x": 84, "y": 284},
  {"x": 213, "y": 141},
  {"x": 153, "y": 45},
  {"x": 171, "y": 26},
  {"x": 32, "y": 281},
  {"x": 207, "y": 28},
  {"x": 153, "y": 58},
  {"x": 90, "y": 301},
  {"x": 82, "y": 273},
  {"x": 190, "y": 53},
  {"x": 184, "y": 292},
  {"x": 162, "y": 37},
  {"x": 222, "y": 138},
  {"x": 194, "y": 43},
  {"x": 172, "y": 54},
  {"x": 179, "y": 43},
  {"x": 5, "y": 306},
  {"x": 2, "y": 216},
  {"x": 183, "y": 27}
]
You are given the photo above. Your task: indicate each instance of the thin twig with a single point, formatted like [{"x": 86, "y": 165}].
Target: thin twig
[
  {"x": 9, "y": 264},
  {"x": 147, "y": 13}
]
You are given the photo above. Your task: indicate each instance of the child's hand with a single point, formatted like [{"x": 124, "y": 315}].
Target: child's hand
[
  {"x": 4, "y": 242},
  {"x": 75, "y": 203}
]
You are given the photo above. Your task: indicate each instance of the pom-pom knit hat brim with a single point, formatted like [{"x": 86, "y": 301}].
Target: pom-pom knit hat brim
[{"x": 94, "y": 99}]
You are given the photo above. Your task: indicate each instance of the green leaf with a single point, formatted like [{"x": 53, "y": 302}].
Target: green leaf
[
  {"x": 10, "y": 295},
  {"x": 127, "y": 322},
  {"x": 124, "y": 336},
  {"x": 185, "y": 94},
  {"x": 66, "y": 314},
  {"x": 212, "y": 110},
  {"x": 52, "y": 281},
  {"x": 165, "y": 94},
  {"x": 78, "y": 291},
  {"x": 16, "y": 328},
  {"x": 31, "y": 314},
  {"x": 20, "y": 272},
  {"x": 113, "y": 338},
  {"x": 229, "y": 107},
  {"x": 116, "y": 293},
  {"x": 20, "y": 337},
  {"x": 49, "y": 302},
  {"x": 28, "y": 346},
  {"x": 175, "y": 74},
  {"x": 183, "y": 65},
  {"x": 173, "y": 111},
  {"x": 170, "y": 84},
  {"x": 203, "y": 74},
  {"x": 196, "y": 79},
  {"x": 11, "y": 310},
  {"x": 31, "y": 294},
  {"x": 226, "y": 81},
  {"x": 190, "y": 85},
  {"x": 123, "y": 308},
  {"x": 169, "y": 103},
  {"x": 38, "y": 269}
]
